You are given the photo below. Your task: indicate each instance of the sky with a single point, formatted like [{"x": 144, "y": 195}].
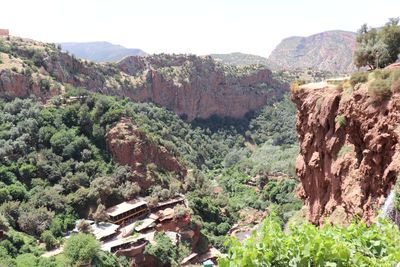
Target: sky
[{"x": 189, "y": 26}]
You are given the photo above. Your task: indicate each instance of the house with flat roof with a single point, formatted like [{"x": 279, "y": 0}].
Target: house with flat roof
[
  {"x": 102, "y": 230},
  {"x": 125, "y": 243},
  {"x": 4, "y": 32},
  {"x": 127, "y": 211}
]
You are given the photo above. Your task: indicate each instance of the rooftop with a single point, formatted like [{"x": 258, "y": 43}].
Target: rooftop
[
  {"x": 148, "y": 222},
  {"x": 99, "y": 230},
  {"x": 116, "y": 242},
  {"x": 124, "y": 207}
]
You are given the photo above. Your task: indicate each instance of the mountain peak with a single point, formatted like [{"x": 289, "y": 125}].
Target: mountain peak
[
  {"x": 327, "y": 51},
  {"x": 101, "y": 51}
]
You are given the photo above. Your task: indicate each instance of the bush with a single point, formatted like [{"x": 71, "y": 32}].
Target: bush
[
  {"x": 35, "y": 221},
  {"x": 381, "y": 74},
  {"x": 344, "y": 150},
  {"x": 309, "y": 245},
  {"x": 379, "y": 89},
  {"x": 81, "y": 248},
  {"x": 48, "y": 238},
  {"x": 164, "y": 251},
  {"x": 341, "y": 120},
  {"x": 295, "y": 86},
  {"x": 396, "y": 86},
  {"x": 358, "y": 77}
]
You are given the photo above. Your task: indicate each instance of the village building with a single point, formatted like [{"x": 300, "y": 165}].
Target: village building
[
  {"x": 127, "y": 211},
  {"x": 207, "y": 259},
  {"x": 130, "y": 243},
  {"x": 4, "y": 32},
  {"x": 102, "y": 231}
]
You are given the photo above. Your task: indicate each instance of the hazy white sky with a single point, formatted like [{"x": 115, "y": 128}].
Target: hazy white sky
[{"x": 189, "y": 26}]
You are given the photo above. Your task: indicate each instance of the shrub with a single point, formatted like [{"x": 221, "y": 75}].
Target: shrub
[
  {"x": 395, "y": 81},
  {"x": 382, "y": 74},
  {"x": 358, "y": 77},
  {"x": 295, "y": 86},
  {"x": 164, "y": 251},
  {"x": 81, "y": 248},
  {"x": 48, "y": 238},
  {"x": 379, "y": 89},
  {"x": 309, "y": 245},
  {"x": 396, "y": 86},
  {"x": 35, "y": 221},
  {"x": 341, "y": 120},
  {"x": 44, "y": 85},
  {"x": 344, "y": 150}
]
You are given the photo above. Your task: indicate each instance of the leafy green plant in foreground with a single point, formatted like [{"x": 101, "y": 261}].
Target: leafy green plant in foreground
[{"x": 308, "y": 245}]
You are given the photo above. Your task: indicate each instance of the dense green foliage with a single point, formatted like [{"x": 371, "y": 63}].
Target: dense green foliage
[
  {"x": 165, "y": 251},
  {"x": 240, "y": 59},
  {"x": 275, "y": 122},
  {"x": 308, "y": 245},
  {"x": 81, "y": 248},
  {"x": 377, "y": 48},
  {"x": 54, "y": 166}
]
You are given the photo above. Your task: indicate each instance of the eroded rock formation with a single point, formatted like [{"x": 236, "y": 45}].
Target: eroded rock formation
[
  {"x": 191, "y": 86},
  {"x": 129, "y": 146},
  {"x": 349, "y": 151}
]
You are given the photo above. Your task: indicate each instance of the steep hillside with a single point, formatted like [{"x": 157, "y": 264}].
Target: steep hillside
[
  {"x": 101, "y": 51},
  {"x": 328, "y": 51},
  {"x": 191, "y": 86},
  {"x": 349, "y": 145},
  {"x": 240, "y": 59}
]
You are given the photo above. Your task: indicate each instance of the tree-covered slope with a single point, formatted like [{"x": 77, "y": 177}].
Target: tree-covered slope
[
  {"x": 240, "y": 59},
  {"x": 55, "y": 167}
]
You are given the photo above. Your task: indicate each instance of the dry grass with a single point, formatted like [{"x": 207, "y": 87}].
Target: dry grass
[{"x": 10, "y": 63}]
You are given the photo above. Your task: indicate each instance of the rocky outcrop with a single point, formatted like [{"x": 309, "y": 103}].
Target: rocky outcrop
[
  {"x": 129, "y": 146},
  {"x": 198, "y": 87},
  {"x": 192, "y": 86},
  {"x": 349, "y": 151}
]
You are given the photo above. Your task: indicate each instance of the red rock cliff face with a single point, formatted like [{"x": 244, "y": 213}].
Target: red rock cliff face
[
  {"x": 192, "y": 86},
  {"x": 346, "y": 170},
  {"x": 199, "y": 87},
  {"x": 129, "y": 146}
]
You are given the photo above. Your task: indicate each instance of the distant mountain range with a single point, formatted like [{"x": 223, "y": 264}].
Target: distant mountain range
[
  {"x": 101, "y": 51},
  {"x": 328, "y": 51},
  {"x": 240, "y": 59}
]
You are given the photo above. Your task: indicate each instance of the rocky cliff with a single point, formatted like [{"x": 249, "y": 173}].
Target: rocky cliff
[
  {"x": 194, "y": 87},
  {"x": 349, "y": 151},
  {"x": 327, "y": 51},
  {"x": 129, "y": 146}
]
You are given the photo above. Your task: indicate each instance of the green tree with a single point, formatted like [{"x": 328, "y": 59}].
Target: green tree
[
  {"x": 4, "y": 225},
  {"x": 378, "y": 48},
  {"x": 164, "y": 251},
  {"x": 390, "y": 35},
  {"x": 35, "y": 221},
  {"x": 26, "y": 260},
  {"x": 81, "y": 249},
  {"x": 48, "y": 238},
  {"x": 100, "y": 214}
]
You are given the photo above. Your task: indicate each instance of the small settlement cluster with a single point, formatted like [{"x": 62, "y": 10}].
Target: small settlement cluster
[{"x": 133, "y": 224}]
